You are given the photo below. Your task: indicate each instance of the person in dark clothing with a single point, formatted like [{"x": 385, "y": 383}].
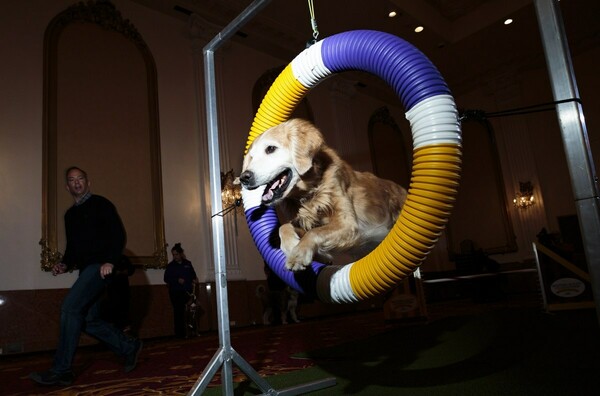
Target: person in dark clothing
[
  {"x": 115, "y": 307},
  {"x": 95, "y": 242},
  {"x": 277, "y": 298},
  {"x": 180, "y": 278}
]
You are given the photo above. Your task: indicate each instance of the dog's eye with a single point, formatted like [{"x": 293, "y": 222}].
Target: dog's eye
[{"x": 270, "y": 149}]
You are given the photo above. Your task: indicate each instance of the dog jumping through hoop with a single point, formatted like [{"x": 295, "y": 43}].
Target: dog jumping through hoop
[{"x": 333, "y": 208}]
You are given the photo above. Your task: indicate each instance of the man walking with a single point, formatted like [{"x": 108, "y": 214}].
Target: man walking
[{"x": 95, "y": 243}]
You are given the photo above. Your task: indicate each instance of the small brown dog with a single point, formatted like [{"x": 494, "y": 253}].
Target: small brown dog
[{"x": 333, "y": 208}]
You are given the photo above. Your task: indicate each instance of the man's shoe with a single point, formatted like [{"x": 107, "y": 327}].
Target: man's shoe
[
  {"x": 132, "y": 358},
  {"x": 51, "y": 378}
]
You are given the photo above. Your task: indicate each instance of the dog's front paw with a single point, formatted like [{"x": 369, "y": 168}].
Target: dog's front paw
[
  {"x": 299, "y": 259},
  {"x": 289, "y": 238}
]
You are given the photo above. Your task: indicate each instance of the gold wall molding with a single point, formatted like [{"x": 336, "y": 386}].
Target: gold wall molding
[{"x": 104, "y": 14}]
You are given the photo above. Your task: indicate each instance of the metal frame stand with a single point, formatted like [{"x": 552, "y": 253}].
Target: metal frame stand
[
  {"x": 226, "y": 355},
  {"x": 574, "y": 135}
]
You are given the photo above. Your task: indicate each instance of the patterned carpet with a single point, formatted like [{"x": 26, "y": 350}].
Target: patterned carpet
[{"x": 171, "y": 367}]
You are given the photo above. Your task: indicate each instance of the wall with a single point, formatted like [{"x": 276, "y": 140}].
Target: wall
[
  {"x": 30, "y": 297},
  {"x": 531, "y": 146},
  {"x": 21, "y": 107}
]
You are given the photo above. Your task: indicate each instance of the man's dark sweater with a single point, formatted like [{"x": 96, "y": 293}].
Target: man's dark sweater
[{"x": 95, "y": 234}]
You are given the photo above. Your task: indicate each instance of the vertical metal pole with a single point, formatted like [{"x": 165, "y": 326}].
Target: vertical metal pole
[
  {"x": 540, "y": 276},
  {"x": 217, "y": 222},
  {"x": 574, "y": 133},
  {"x": 226, "y": 355}
]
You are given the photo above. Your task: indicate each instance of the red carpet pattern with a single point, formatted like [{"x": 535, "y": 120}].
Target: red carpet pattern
[{"x": 168, "y": 366}]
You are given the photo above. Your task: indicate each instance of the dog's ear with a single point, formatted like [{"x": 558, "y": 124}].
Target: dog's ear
[{"x": 306, "y": 141}]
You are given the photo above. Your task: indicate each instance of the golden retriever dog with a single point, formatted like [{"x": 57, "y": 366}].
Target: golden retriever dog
[{"x": 332, "y": 208}]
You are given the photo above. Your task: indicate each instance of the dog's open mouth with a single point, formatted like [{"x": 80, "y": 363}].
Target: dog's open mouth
[{"x": 276, "y": 187}]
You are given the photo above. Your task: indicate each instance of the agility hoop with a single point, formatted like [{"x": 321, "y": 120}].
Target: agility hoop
[{"x": 437, "y": 151}]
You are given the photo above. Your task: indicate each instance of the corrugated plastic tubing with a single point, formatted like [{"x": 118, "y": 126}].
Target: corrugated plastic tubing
[{"x": 436, "y": 163}]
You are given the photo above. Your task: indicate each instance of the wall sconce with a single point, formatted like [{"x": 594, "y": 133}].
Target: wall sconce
[
  {"x": 231, "y": 193},
  {"x": 524, "y": 197}
]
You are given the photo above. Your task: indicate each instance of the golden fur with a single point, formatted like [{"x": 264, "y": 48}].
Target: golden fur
[{"x": 332, "y": 207}]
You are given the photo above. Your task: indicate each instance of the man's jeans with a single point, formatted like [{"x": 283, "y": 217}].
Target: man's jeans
[{"x": 80, "y": 312}]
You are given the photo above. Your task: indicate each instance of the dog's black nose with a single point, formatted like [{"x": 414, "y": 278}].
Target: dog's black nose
[{"x": 247, "y": 178}]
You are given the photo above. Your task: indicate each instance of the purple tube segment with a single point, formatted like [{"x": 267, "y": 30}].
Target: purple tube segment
[
  {"x": 388, "y": 57},
  {"x": 264, "y": 227}
]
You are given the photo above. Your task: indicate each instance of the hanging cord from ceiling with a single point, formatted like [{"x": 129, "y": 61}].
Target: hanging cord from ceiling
[
  {"x": 480, "y": 114},
  {"x": 313, "y": 24}
]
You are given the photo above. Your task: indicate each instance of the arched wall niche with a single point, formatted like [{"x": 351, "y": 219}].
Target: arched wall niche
[
  {"x": 390, "y": 155},
  {"x": 101, "y": 114}
]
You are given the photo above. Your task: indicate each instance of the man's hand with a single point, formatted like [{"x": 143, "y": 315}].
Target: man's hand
[
  {"x": 106, "y": 269},
  {"x": 59, "y": 268}
]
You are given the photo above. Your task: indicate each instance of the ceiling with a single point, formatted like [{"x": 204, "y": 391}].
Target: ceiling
[{"x": 465, "y": 39}]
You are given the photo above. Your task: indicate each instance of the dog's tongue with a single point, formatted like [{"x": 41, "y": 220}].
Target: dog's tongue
[{"x": 269, "y": 194}]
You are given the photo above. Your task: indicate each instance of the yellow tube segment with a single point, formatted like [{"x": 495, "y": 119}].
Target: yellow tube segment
[
  {"x": 278, "y": 104},
  {"x": 422, "y": 219}
]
